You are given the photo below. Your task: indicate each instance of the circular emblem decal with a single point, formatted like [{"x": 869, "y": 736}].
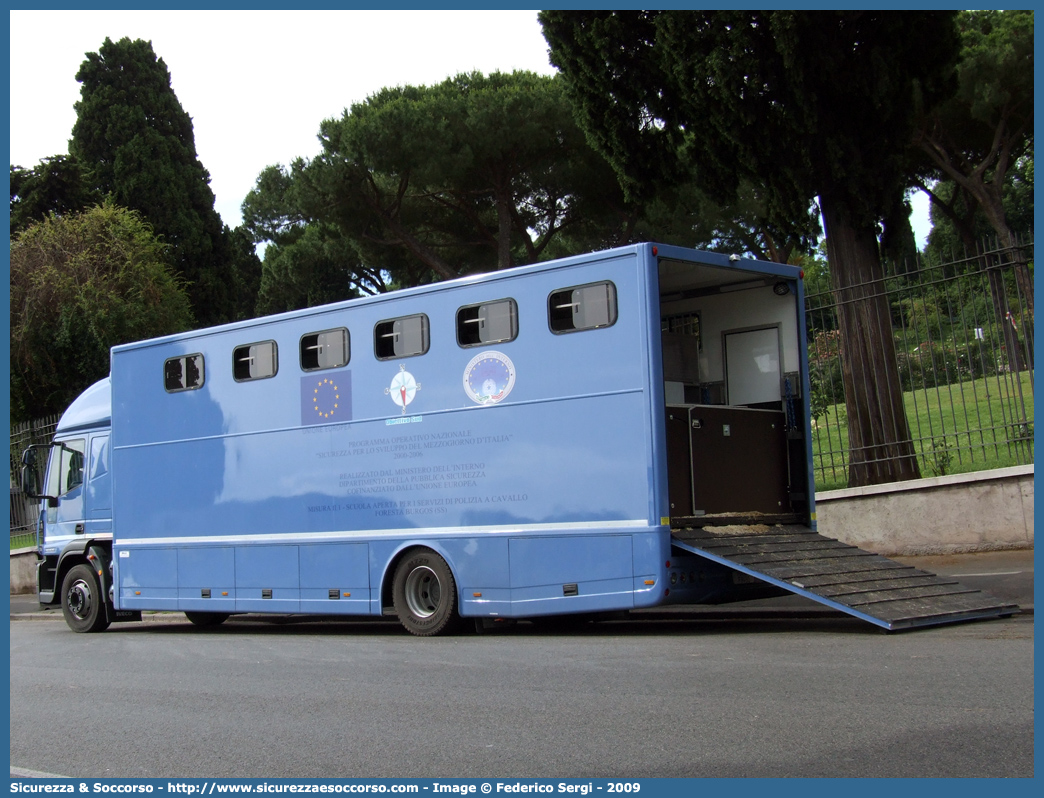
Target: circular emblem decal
[
  {"x": 489, "y": 377},
  {"x": 403, "y": 388}
]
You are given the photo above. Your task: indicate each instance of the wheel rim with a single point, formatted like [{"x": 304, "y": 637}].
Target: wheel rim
[
  {"x": 80, "y": 600},
  {"x": 423, "y": 592}
]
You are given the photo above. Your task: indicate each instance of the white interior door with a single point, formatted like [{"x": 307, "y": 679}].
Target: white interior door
[{"x": 752, "y": 366}]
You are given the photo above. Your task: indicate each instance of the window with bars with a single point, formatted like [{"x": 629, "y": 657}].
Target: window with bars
[{"x": 683, "y": 324}]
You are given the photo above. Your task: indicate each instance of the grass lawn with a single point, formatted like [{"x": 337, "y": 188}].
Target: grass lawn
[
  {"x": 968, "y": 426},
  {"x": 23, "y": 541}
]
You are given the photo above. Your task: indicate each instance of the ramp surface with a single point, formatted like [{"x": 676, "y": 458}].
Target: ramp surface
[{"x": 871, "y": 587}]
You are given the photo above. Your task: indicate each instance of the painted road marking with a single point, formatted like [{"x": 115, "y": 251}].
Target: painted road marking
[{"x": 22, "y": 773}]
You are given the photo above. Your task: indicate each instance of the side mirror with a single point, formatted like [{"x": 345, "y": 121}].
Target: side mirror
[
  {"x": 30, "y": 474},
  {"x": 29, "y": 481}
]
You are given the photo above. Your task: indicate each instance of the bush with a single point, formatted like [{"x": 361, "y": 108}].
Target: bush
[
  {"x": 927, "y": 366},
  {"x": 81, "y": 284},
  {"x": 824, "y": 372},
  {"x": 977, "y": 359},
  {"x": 933, "y": 365}
]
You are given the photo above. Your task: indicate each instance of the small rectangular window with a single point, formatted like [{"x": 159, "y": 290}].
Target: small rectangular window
[
  {"x": 99, "y": 456},
  {"x": 488, "y": 323},
  {"x": 403, "y": 337},
  {"x": 582, "y": 308},
  {"x": 325, "y": 350},
  {"x": 255, "y": 361},
  {"x": 183, "y": 373}
]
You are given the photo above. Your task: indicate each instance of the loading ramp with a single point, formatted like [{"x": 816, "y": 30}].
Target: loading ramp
[{"x": 868, "y": 586}]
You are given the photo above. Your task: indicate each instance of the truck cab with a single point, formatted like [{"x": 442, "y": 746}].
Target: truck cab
[{"x": 72, "y": 479}]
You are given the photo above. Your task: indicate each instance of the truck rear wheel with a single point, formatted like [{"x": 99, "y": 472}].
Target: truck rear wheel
[
  {"x": 82, "y": 602},
  {"x": 424, "y": 594},
  {"x": 207, "y": 618}
]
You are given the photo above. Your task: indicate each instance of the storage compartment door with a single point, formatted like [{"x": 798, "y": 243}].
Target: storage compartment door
[{"x": 739, "y": 460}]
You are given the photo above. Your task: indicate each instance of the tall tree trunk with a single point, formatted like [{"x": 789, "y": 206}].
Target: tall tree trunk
[
  {"x": 964, "y": 225},
  {"x": 998, "y": 292},
  {"x": 880, "y": 448},
  {"x": 1009, "y": 241},
  {"x": 503, "y": 233},
  {"x": 988, "y": 193},
  {"x": 994, "y": 212}
]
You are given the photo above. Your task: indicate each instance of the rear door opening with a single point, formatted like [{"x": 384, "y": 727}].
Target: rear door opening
[{"x": 732, "y": 366}]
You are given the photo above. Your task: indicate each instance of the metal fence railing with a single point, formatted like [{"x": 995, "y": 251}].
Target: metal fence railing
[
  {"x": 25, "y": 511},
  {"x": 963, "y": 334}
]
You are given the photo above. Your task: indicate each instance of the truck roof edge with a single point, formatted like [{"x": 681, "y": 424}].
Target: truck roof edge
[{"x": 92, "y": 408}]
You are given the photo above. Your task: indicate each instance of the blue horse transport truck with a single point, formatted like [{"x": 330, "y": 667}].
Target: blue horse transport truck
[{"x": 606, "y": 432}]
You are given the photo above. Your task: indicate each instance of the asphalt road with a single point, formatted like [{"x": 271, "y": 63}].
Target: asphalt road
[
  {"x": 780, "y": 687},
  {"x": 746, "y": 695}
]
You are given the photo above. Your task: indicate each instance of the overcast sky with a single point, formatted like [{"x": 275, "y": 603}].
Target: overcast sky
[{"x": 257, "y": 84}]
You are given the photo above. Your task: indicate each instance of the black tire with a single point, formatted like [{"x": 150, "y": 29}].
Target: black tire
[
  {"x": 207, "y": 618},
  {"x": 82, "y": 602},
  {"x": 424, "y": 594}
]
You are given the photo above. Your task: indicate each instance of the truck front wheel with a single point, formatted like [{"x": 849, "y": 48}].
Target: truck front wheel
[
  {"x": 424, "y": 593},
  {"x": 82, "y": 602}
]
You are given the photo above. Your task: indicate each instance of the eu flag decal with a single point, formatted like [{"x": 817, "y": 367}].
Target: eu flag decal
[{"x": 326, "y": 399}]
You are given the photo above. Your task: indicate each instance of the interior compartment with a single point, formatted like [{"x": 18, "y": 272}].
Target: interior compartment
[{"x": 732, "y": 382}]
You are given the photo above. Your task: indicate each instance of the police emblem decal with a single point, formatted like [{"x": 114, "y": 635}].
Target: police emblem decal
[{"x": 489, "y": 377}]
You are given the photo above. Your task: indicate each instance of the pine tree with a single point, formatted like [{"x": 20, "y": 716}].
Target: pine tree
[{"x": 807, "y": 104}]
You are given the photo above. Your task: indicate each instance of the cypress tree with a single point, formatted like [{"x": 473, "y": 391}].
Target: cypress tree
[{"x": 135, "y": 143}]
